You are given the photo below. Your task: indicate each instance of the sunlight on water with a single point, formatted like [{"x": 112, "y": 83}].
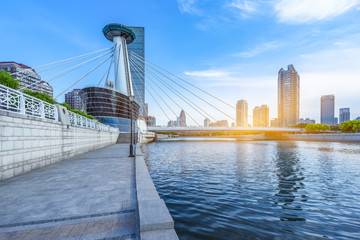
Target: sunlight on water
[{"x": 259, "y": 190}]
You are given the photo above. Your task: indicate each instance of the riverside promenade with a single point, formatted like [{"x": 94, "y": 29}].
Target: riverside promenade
[{"x": 90, "y": 196}]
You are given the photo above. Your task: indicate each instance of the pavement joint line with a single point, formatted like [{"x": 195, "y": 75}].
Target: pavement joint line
[
  {"x": 67, "y": 218},
  {"x": 121, "y": 237}
]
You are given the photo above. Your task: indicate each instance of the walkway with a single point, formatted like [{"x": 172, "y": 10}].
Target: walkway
[{"x": 91, "y": 196}]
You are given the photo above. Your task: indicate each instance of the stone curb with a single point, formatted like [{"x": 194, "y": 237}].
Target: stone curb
[{"x": 155, "y": 220}]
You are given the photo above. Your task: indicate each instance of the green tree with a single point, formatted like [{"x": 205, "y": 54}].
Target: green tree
[
  {"x": 7, "y": 80},
  {"x": 350, "y": 126},
  {"x": 316, "y": 127}
]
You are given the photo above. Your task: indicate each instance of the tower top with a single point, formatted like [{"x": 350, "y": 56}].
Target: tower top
[{"x": 115, "y": 29}]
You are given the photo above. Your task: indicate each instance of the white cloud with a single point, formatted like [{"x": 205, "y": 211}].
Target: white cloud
[
  {"x": 246, "y": 7},
  {"x": 188, "y": 6},
  {"x": 303, "y": 11},
  {"x": 258, "y": 49},
  {"x": 207, "y": 74}
]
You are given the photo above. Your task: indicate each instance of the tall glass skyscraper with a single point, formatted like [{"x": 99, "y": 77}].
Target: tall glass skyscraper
[
  {"x": 138, "y": 74},
  {"x": 288, "y": 96},
  {"x": 242, "y": 113},
  {"x": 344, "y": 115},
  {"x": 327, "y": 109}
]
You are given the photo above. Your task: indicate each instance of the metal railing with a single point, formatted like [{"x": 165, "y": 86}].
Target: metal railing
[{"x": 15, "y": 101}]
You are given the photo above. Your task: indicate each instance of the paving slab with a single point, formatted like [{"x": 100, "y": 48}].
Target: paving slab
[{"x": 90, "y": 196}]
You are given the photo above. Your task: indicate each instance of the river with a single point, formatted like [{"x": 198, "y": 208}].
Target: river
[{"x": 259, "y": 189}]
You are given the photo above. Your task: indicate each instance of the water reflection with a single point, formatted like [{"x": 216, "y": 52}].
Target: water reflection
[{"x": 290, "y": 176}]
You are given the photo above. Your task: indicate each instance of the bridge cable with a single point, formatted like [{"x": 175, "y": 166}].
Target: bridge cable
[
  {"x": 83, "y": 77},
  {"x": 62, "y": 73},
  {"x": 159, "y": 97},
  {"x": 191, "y": 92},
  {"x": 74, "y": 60},
  {"x": 170, "y": 97},
  {"x": 191, "y": 104},
  {"x": 197, "y": 88},
  {"x": 102, "y": 50},
  {"x": 107, "y": 72}
]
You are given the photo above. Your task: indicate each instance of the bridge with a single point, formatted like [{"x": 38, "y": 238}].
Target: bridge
[{"x": 223, "y": 129}]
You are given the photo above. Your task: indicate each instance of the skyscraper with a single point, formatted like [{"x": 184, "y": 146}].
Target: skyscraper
[
  {"x": 182, "y": 119},
  {"x": 261, "y": 116},
  {"x": 242, "y": 113},
  {"x": 327, "y": 109},
  {"x": 73, "y": 99},
  {"x": 288, "y": 96},
  {"x": 344, "y": 115},
  {"x": 138, "y": 72},
  {"x": 207, "y": 122}
]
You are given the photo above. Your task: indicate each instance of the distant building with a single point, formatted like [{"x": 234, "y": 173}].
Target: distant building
[
  {"x": 233, "y": 124},
  {"x": 27, "y": 77},
  {"x": 138, "y": 71},
  {"x": 288, "y": 97},
  {"x": 327, "y": 109},
  {"x": 307, "y": 120},
  {"x": 336, "y": 120},
  {"x": 358, "y": 118},
  {"x": 261, "y": 116},
  {"x": 182, "y": 119},
  {"x": 172, "y": 123},
  {"x": 275, "y": 123},
  {"x": 221, "y": 123},
  {"x": 242, "y": 113},
  {"x": 73, "y": 99},
  {"x": 207, "y": 122},
  {"x": 344, "y": 115},
  {"x": 150, "y": 121}
]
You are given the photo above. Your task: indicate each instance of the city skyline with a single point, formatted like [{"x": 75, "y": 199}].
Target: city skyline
[{"x": 321, "y": 43}]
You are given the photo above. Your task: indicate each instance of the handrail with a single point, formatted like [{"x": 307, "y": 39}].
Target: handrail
[{"x": 15, "y": 101}]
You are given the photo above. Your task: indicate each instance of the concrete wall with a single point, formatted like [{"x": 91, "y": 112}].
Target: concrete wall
[{"x": 28, "y": 143}]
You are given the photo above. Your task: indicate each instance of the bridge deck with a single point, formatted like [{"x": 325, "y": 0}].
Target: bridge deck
[{"x": 91, "y": 196}]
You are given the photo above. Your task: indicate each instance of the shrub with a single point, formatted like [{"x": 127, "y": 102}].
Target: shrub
[
  {"x": 350, "y": 126},
  {"x": 317, "y": 127},
  {"x": 7, "y": 80},
  {"x": 42, "y": 96}
]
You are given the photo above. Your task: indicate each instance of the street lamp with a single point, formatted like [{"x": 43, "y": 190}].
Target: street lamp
[{"x": 131, "y": 98}]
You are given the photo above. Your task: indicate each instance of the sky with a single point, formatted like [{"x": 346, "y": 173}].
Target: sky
[{"x": 232, "y": 49}]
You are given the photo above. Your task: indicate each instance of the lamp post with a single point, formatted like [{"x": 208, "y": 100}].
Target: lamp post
[{"x": 131, "y": 98}]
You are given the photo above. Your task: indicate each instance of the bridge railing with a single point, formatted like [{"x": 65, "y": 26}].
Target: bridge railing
[{"x": 15, "y": 101}]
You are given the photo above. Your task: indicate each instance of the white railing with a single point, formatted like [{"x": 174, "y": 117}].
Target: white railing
[{"x": 15, "y": 101}]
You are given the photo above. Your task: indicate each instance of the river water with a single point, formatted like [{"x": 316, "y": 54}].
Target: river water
[{"x": 259, "y": 190}]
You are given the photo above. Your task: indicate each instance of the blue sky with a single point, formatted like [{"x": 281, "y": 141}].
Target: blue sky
[{"x": 231, "y": 48}]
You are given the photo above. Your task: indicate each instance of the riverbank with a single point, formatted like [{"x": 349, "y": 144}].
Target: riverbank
[{"x": 346, "y": 137}]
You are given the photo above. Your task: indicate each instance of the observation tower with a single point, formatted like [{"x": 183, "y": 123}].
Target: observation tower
[
  {"x": 114, "y": 104},
  {"x": 121, "y": 36}
]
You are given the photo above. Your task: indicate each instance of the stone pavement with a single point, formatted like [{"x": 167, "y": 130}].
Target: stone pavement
[{"x": 90, "y": 196}]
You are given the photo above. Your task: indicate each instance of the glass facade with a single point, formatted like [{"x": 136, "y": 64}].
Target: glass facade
[
  {"x": 138, "y": 75},
  {"x": 327, "y": 109},
  {"x": 109, "y": 106}
]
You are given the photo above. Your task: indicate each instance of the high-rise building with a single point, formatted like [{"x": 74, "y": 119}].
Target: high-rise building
[
  {"x": 344, "y": 115},
  {"x": 182, "y": 119},
  {"x": 27, "y": 77},
  {"x": 150, "y": 121},
  {"x": 336, "y": 121},
  {"x": 242, "y": 113},
  {"x": 73, "y": 99},
  {"x": 288, "y": 96},
  {"x": 307, "y": 120},
  {"x": 207, "y": 122},
  {"x": 327, "y": 109},
  {"x": 261, "y": 116},
  {"x": 138, "y": 70},
  {"x": 221, "y": 123},
  {"x": 275, "y": 123}
]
